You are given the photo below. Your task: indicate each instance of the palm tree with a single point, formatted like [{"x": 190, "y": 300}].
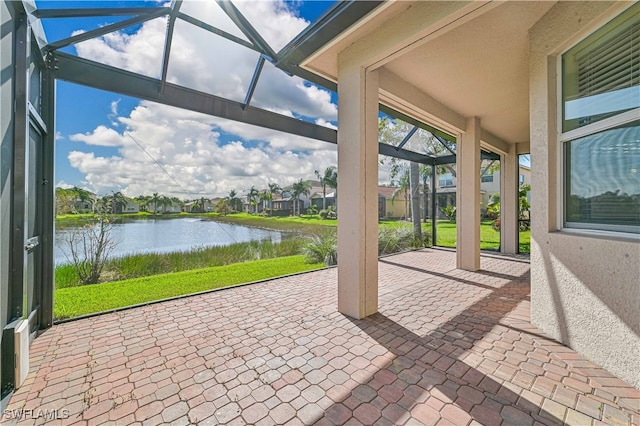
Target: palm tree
[
  {"x": 332, "y": 182},
  {"x": 414, "y": 184},
  {"x": 233, "y": 200},
  {"x": 425, "y": 174},
  {"x": 143, "y": 201},
  {"x": 105, "y": 204},
  {"x": 274, "y": 189},
  {"x": 118, "y": 202},
  {"x": 164, "y": 201},
  {"x": 155, "y": 198},
  {"x": 82, "y": 195},
  {"x": 299, "y": 188},
  {"x": 328, "y": 178},
  {"x": 264, "y": 197},
  {"x": 252, "y": 197}
]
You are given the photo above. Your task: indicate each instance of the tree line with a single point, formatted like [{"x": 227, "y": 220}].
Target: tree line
[{"x": 77, "y": 200}]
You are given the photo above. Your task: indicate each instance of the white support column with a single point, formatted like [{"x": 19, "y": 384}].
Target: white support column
[
  {"x": 468, "y": 197},
  {"x": 358, "y": 190},
  {"x": 509, "y": 186}
]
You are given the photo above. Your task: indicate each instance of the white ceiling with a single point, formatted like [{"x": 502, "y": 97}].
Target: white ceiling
[
  {"x": 477, "y": 67},
  {"x": 480, "y": 68}
]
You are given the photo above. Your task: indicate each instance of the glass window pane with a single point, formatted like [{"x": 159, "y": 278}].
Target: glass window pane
[
  {"x": 603, "y": 180},
  {"x": 35, "y": 81},
  {"x": 601, "y": 74}
]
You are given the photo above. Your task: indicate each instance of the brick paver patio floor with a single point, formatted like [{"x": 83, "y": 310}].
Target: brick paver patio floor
[{"x": 448, "y": 347}]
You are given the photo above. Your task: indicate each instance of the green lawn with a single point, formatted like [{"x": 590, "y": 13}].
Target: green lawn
[
  {"x": 74, "y": 301},
  {"x": 306, "y": 223},
  {"x": 446, "y": 234}
]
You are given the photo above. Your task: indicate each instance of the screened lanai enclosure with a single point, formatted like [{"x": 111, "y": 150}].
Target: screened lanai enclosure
[{"x": 35, "y": 56}]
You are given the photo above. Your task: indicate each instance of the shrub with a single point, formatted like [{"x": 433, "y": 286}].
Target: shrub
[
  {"x": 394, "y": 240},
  {"x": 331, "y": 213},
  {"x": 450, "y": 212},
  {"x": 313, "y": 209},
  {"x": 88, "y": 248},
  {"x": 323, "y": 214},
  {"x": 322, "y": 248}
]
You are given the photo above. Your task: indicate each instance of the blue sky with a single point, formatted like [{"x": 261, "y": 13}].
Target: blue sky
[
  {"x": 106, "y": 141},
  {"x": 109, "y": 142}
]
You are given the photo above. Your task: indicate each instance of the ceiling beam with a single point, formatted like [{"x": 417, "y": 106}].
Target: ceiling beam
[
  {"x": 403, "y": 154},
  {"x": 247, "y": 29},
  {"x": 216, "y": 31},
  {"x": 167, "y": 42},
  {"x": 331, "y": 24},
  {"x": 408, "y": 119},
  {"x": 106, "y": 29},
  {"x": 419, "y": 23},
  {"x": 89, "y": 12},
  {"x": 407, "y": 137},
  {"x": 493, "y": 143},
  {"x": 104, "y": 77},
  {"x": 254, "y": 81},
  {"x": 93, "y": 74},
  {"x": 399, "y": 92}
]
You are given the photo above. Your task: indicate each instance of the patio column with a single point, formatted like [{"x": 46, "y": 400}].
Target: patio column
[
  {"x": 358, "y": 194},
  {"x": 468, "y": 197},
  {"x": 509, "y": 186}
]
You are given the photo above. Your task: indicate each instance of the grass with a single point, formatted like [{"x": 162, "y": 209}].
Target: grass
[
  {"x": 489, "y": 238},
  {"x": 446, "y": 234},
  {"x": 75, "y": 301},
  {"x": 72, "y": 220},
  {"x": 303, "y": 224},
  {"x": 148, "y": 264}
]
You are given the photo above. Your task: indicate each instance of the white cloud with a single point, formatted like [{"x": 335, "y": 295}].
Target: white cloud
[
  {"x": 101, "y": 136},
  {"x": 325, "y": 123},
  {"x": 212, "y": 64},
  {"x": 188, "y": 146},
  {"x": 62, "y": 184},
  {"x": 114, "y": 112}
]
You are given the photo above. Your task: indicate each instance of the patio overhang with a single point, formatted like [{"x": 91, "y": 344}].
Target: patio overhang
[
  {"x": 443, "y": 61},
  {"x": 451, "y": 66},
  {"x": 486, "y": 73}
]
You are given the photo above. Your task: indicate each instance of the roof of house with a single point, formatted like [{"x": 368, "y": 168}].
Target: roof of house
[{"x": 387, "y": 191}]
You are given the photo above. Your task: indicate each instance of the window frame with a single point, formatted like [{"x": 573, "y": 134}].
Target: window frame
[
  {"x": 563, "y": 138},
  {"x": 450, "y": 178}
]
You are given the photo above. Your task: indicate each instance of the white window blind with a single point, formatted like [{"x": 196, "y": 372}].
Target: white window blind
[{"x": 601, "y": 75}]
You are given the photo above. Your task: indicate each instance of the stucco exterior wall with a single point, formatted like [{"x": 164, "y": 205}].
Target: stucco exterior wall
[{"x": 585, "y": 290}]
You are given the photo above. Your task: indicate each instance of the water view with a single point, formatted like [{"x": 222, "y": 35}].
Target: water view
[{"x": 171, "y": 235}]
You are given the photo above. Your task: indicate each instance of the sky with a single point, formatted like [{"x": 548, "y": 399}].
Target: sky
[{"x": 109, "y": 142}]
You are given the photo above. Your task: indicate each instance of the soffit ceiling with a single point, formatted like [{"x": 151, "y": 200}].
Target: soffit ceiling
[{"x": 479, "y": 68}]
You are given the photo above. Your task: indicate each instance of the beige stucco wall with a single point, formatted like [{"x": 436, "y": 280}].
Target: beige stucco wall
[
  {"x": 585, "y": 290},
  {"x": 398, "y": 207}
]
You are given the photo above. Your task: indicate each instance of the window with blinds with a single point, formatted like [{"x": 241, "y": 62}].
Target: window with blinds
[
  {"x": 601, "y": 80},
  {"x": 601, "y": 74}
]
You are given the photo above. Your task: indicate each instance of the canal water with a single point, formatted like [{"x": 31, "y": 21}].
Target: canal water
[{"x": 170, "y": 235}]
